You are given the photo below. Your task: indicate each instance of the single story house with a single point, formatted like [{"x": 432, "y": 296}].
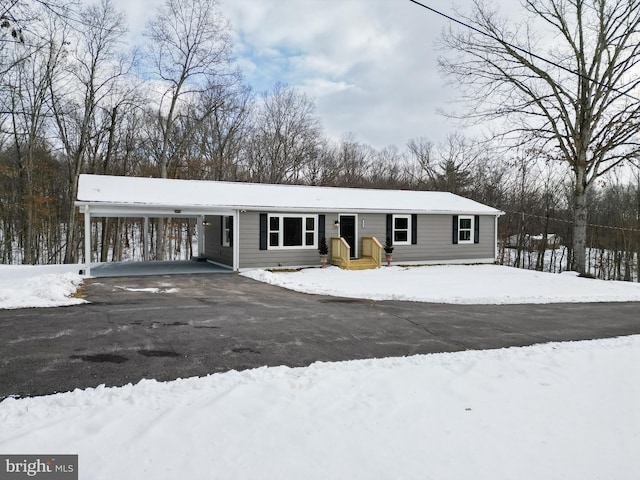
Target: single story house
[{"x": 248, "y": 225}]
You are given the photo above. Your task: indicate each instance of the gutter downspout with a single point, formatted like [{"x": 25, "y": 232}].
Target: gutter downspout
[
  {"x": 495, "y": 240},
  {"x": 87, "y": 241}
]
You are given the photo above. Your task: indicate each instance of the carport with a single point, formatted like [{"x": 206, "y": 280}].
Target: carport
[{"x": 94, "y": 204}]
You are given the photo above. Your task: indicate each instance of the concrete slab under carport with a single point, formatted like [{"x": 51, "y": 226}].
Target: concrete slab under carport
[{"x": 136, "y": 269}]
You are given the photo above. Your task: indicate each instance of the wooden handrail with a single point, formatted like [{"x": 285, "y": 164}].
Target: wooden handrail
[
  {"x": 371, "y": 247},
  {"x": 340, "y": 252}
]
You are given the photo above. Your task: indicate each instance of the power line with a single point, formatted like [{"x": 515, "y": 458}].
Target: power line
[
  {"x": 63, "y": 12},
  {"x": 571, "y": 222},
  {"x": 523, "y": 50}
]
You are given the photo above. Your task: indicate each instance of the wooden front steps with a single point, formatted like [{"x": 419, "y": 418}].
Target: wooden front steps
[
  {"x": 364, "y": 263},
  {"x": 341, "y": 254}
]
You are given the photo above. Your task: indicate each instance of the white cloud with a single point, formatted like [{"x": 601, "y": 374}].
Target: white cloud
[
  {"x": 138, "y": 12},
  {"x": 370, "y": 65},
  {"x": 319, "y": 87}
]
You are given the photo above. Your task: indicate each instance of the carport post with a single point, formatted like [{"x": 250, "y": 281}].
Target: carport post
[
  {"x": 87, "y": 241},
  {"x": 200, "y": 230},
  {"x": 145, "y": 240},
  {"x": 236, "y": 241}
]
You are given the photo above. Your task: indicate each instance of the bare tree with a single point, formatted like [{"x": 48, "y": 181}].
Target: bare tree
[
  {"x": 583, "y": 101},
  {"x": 420, "y": 151},
  {"x": 220, "y": 137},
  {"x": 447, "y": 167},
  {"x": 457, "y": 156},
  {"x": 189, "y": 46},
  {"x": 354, "y": 161},
  {"x": 21, "y": 27},
  {"x": 93, "y": 72},
  {"x": 323, "y": 168},
  {"x": 14, "y": 15},
  {"x": 387, "y": 168},
  {"x": 615, "y": 229},
  {"x": 10, "y": 34},
  {"x": 27, "y": 85},
  {"x": 8, "y": 22},
  {"x": 286, "y": 136}
]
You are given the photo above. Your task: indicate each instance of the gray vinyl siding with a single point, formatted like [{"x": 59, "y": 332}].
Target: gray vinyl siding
[
  {"x": 435, "y": 242},
  {"x": 252, "y": 257},
  {"x": 213, "y": 248},
  {"x": 435, "y": 239}
]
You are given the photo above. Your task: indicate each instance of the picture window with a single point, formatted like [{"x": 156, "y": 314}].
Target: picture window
[{"x": 293, "y": 231}]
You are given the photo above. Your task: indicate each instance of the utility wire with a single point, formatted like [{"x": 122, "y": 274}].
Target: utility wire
[
  {"x": 523, "y": 50},
  {"x": 61, "y": 11},
  {"x": 571, "y": 222}
]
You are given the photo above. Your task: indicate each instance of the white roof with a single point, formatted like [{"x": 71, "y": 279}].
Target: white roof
[{"x": 111, "y": 195}]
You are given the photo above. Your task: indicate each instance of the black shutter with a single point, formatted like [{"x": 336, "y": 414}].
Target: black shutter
[
  {"x": 321, "y": 227},
  {"x": 389, "y": 228},
  {"x": 231, "y": 231},
  {"x": 263, "y": 231},
  {"x": 414, "y": 229},
  {"x": 476, "y": 229},
  {"x": 221, "y": 230},
  {"x": 455, "y": 229}
]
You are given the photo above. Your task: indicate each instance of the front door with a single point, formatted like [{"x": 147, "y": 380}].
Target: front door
[{"x": 348, "y": 232}]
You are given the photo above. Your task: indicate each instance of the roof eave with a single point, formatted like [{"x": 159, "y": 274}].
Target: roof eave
[{"x": 132, "y": 209}]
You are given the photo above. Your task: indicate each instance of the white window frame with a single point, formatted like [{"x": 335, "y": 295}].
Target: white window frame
[
  {"x": 226, "y": 230},
  {"x": 470, "y": 230},
  {"x": 408, "y": 230},
  {"x": 280, "y": 232}
]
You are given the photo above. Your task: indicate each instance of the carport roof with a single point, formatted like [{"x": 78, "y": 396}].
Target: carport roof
[{"x": 156, "y": 196}]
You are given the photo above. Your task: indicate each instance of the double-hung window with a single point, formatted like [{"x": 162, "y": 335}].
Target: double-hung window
[
  {"x": 465, "y": 229},
  {"x": 402, "y": 229},
  {"x": 292, "y": 231}
]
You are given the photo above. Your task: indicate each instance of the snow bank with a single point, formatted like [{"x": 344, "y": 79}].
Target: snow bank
[
  {"x": 556, "y": 411},
  {"x": 461, "y": 284},
  {"x": 23, "y": 286},
  {"x": 50, "y": 286}
]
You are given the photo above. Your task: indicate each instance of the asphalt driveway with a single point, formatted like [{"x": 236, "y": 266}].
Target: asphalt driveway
[{"x": 167, "y": 327}]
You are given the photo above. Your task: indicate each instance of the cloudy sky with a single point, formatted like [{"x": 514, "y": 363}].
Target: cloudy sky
[{"x": 370, "y": 65}]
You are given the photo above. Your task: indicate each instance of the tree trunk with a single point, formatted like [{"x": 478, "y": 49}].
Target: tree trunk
[
  {"x": 71, "y": 252},
  {"x": 580, "y": 225}
]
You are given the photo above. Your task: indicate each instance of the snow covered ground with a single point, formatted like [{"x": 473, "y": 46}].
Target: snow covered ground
[
  {"x": 470, "y": 284},
  {"x": 53, "y": 285},
  {"x": 23, "y": 286},
  {"x": 555, "y": 411}
]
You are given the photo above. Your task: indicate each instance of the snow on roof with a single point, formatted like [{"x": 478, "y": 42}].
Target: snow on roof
[{"x": 158, "y": 192}]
